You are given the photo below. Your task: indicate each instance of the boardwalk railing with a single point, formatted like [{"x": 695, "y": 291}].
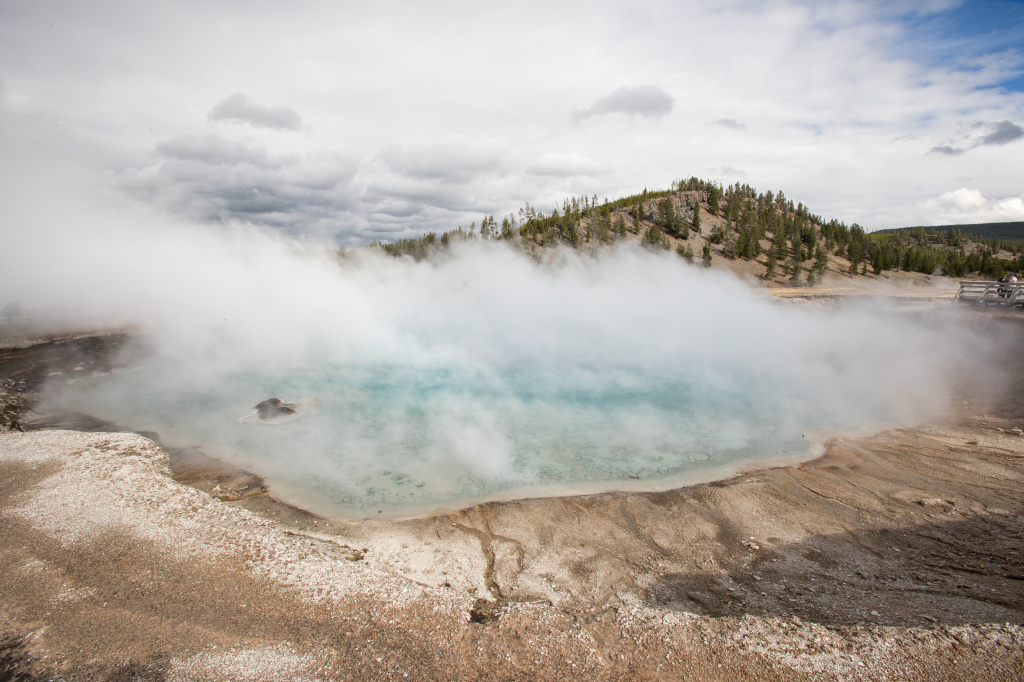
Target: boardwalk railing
[{"x": 1005, "y": 294}]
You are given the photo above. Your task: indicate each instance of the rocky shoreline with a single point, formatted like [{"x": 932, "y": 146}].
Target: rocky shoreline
[{"x": 894, "y": 556}]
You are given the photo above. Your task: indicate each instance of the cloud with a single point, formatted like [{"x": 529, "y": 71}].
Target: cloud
[
  {"x": 964, "y": 206},
  {"x": 211, "y": 179},
  {"x": 808, "y": 125},
  {"x": 875, "y": 75},
  {"x": 238, "y": 108},
  {"x": 425, "y": 191},
  {"x": 946, "y": 150},
  {"x": 457, "y": 158},
  {"x": 566, "y": 165},
  {"x": 730, "y": 123},
  {"x": 731, "y": 171},
  {"x": 435, "y": 186},
  {"x": 393, "y": 217},
  {"x": 1002, "y": 133},
  {"x": 641, "y": 100},
  {"x": 999, "y": 133},
  {"x": 214, "y": 150}
]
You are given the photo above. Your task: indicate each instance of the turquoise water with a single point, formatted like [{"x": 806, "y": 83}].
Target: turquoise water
[
  {"x": 388, "y": 438},
  {"x": 491, "y": 374}
]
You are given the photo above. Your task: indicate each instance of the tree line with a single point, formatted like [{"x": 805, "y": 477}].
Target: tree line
[{"x": 744, "y": 224}]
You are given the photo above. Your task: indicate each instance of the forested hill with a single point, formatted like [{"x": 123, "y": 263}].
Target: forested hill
[
  {"x": 732, "y": 227},
  {"x": 1011, "y": 232}
]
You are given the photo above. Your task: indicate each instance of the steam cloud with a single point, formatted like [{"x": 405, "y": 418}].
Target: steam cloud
[{"x": 482, "y": 372}]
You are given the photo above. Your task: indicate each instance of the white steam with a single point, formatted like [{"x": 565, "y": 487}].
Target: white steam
[{"x": 482, "y": 372}]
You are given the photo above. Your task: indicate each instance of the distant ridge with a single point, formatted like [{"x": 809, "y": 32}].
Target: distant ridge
[{"x": 1003, "y": 232}]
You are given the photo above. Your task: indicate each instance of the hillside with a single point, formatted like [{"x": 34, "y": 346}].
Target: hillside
[
  {"x": 1010, "y": 233},
  {"x": 756, "y": 235}
]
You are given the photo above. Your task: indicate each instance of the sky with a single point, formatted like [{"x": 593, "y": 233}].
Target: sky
[{"x": 376, "y": 121}]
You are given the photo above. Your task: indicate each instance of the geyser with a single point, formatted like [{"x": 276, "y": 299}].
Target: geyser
[{"x": 490, "y": 373}]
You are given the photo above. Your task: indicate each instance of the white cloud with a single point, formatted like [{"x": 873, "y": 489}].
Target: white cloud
[
  {"x": 566, "y": 165},
  {"x": 444, "y": 121},
  {"x": 456, "y": 158},
  {"x": 964, "y": 206}
]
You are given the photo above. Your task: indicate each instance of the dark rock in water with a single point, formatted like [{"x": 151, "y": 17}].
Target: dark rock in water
[{"x": 272, "y": 408}]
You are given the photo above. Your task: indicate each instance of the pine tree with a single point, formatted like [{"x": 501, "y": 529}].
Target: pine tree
[
  {"x": 706, "y": 256},
  {"x": 795, "y": 269},
  {"x": 770, "y": 266},
  {"x": 506, "y": 228},
  {"x": 620, "y": 226},
  {"x": 667, "y": 216},
  {"x": 604, "y": 224},
  {"x": 713, "y": 199},
  {"x": 654, "y": 238},
  {"x": 821, "y": 260},
  {"x": 729, "y": 248}
]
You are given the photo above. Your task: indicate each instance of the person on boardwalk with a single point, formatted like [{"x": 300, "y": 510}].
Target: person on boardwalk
[{"x": 1005, "y": 290}]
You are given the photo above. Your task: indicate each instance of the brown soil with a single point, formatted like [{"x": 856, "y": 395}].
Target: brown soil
[{"x": 895, "y": 556}]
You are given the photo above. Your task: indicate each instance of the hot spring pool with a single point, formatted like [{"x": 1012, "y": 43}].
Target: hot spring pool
[
  {"x": 491, "y": 375},
  {"x": 396, "y": 439}
]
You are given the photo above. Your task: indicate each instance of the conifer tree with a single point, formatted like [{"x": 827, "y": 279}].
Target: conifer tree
[
  {"x": 685, "y": 252},
  {"x": 798, "y": 251},
  {"x": 821, "y": 260},
  {"x": 604, "y": 233},
  {"x": 713, "y": 199},
  {"x": 666, "y": 215},
  {"x": 654, "y": 238},
  {"x": 620, "y": 226},
  {"x": 706, "y": 256},
  {"x": 769, "y": 270},
  {"x": 729, "y": 248},
  {"x": 795, "y": 269}
]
